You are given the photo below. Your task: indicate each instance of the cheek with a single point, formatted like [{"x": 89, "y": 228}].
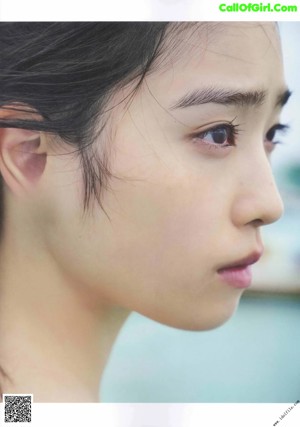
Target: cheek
[
  {"x": 156, "y": 252},
  {"x": 165, "y": 229},
  {"x": 166, "y": 246}
]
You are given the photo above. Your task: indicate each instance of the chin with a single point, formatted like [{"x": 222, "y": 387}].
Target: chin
[
  {"x": 216, "y": 316},
  {"x": 203, "y": 317},
  {"x": 203, "y": 324}
]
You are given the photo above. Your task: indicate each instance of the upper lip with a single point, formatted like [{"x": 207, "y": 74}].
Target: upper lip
[{"x": 243, "y": 262}]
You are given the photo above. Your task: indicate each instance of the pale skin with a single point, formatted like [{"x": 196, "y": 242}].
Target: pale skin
[{"x": 184, "y": 207}]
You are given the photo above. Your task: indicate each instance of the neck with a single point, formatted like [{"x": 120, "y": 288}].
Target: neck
[{"x": 55, "y": 337}]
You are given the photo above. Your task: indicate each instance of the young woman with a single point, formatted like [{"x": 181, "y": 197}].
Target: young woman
[{"x": 135, "y": 165}]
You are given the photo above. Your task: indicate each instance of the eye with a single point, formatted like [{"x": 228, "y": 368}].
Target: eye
[
  {"x": 272, "y": 133},
  {"x": 222, "y": 135}
]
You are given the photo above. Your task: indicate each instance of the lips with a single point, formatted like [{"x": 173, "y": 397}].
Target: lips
[
  {"x": 238, "y": 274},
  {"x": 244, "y": 262}
]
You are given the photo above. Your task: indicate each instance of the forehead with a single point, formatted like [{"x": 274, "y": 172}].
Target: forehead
[
  {"x": 239, "y": 54},
  {"x": 239, "y": 41}
]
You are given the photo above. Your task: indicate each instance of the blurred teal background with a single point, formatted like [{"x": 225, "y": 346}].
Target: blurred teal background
[{"x": 255, "y": 356}]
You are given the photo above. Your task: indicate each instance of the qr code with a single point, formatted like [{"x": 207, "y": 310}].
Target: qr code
[{"x": 17, "y": 408}]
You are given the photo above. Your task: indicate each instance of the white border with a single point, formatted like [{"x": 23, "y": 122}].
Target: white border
[
  {"x": 137, "y": 10},
  {"x": 159, "y": 415}
]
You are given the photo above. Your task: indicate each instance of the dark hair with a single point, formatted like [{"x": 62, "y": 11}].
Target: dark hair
[{"x": 66, "y": 72}]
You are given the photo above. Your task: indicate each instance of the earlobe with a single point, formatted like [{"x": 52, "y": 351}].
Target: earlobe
[{"x": 22, "y": 159}]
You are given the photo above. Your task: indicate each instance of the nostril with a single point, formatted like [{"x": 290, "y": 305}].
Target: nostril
[{"x": 257, "y": 222}]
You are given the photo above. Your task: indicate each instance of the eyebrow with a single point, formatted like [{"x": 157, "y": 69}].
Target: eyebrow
[
  {"x": 228, "y": 97},
  {"x": 283, "y": 98}
]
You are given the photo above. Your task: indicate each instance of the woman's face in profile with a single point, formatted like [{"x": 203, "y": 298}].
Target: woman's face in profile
[{"x": 193, "y": 184}]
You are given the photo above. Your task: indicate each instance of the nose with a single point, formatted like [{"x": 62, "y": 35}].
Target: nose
[{"x": 258, "y": 201}]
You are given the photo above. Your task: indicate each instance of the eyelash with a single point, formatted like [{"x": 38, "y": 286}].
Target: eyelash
[
  {"x": 232, "y": 132},
  {"x": 278, "y": 127}
]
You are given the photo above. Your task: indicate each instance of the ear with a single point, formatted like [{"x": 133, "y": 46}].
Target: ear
[{"x": 22, "y": 156}]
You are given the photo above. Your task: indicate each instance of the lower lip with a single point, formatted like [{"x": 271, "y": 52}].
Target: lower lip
[{"x": 237, "y": 277}]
